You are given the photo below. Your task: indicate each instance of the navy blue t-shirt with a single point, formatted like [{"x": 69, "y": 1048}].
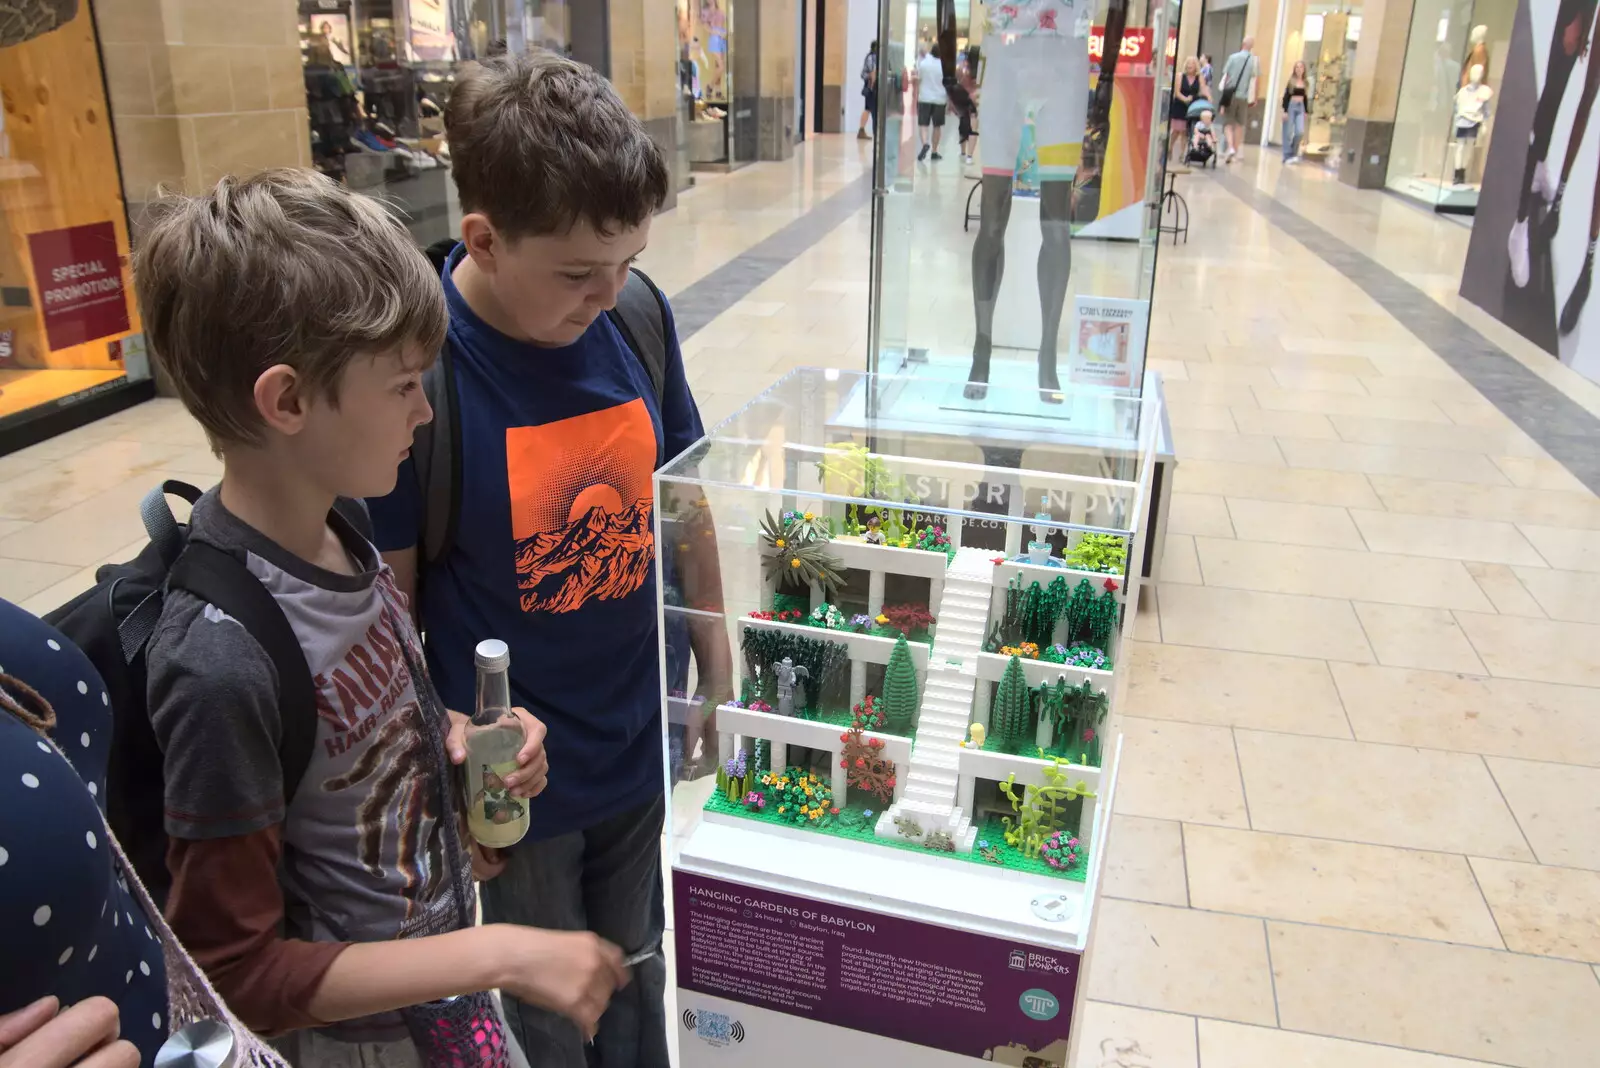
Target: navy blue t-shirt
[{"x": 555, "y": 550}]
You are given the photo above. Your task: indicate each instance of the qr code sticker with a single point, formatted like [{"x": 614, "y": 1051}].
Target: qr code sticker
[{"x": 713, "y": 1027}]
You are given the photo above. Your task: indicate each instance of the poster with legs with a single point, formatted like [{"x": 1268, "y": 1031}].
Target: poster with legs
[{"x": 1531, "y": 259}]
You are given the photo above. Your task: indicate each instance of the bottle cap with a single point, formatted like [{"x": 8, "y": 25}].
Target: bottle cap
[
  {"x": 492, "y": 654},
  {"x": 202, "y": 1044}
]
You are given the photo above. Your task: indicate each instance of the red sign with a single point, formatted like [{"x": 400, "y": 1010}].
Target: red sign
[
  {"x": 1136, "y": 44},
  {"x": 78, "y": 276}
]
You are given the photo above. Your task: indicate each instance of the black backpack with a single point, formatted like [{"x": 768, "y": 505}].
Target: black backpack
[
  {"x": 113, "y": 622},
  {"x": 640, "y": 316}
]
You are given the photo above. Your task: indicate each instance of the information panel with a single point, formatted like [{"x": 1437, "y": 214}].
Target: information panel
[{"x": 795, "y": 959}]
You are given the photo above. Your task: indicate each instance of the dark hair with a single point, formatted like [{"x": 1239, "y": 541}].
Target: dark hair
[
  {"x": 933, "y": 50},
  {"x": 874, "y": 47},
  {"x": 539, "y": 142}
]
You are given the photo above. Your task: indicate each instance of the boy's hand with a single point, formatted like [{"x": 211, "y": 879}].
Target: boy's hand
[
  {"x": 533, "y": 763},
  {"x": 573, "y": 973},
  {"x": 487, "y": 862}
]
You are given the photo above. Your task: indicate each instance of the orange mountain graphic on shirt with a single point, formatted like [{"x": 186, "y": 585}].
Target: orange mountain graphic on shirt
[{"x": 582, "y": 507}]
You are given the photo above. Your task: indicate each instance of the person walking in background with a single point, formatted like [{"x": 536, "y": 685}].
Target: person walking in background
[
  {"x": 869, "y": 94},
  {"x": 1296, "y": 100},
  {"x": 965, "y": 96},
  {"x": 1191, "y": 87},
  {"x": 932, "y": 100},
  {"x": 1238, "y": 95},
  {"x": 1205, "y": 67}
]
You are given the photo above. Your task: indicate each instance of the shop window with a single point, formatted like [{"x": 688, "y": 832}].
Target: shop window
[{"x": 69, "y": 324}]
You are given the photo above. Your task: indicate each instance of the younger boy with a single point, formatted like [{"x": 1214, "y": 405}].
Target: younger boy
[
  {"x": 1203, "y": 143},
  {"x": 561, "y": 426},
  {"x": 295, "y": 320}
]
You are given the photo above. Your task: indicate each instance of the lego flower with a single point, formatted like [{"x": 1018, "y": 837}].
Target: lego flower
[
  {"x": 867, "y": 813},
  {"x": 1088, "y": 734},
  {"x": 834, "y": 811},
  {"x": 1047, "y": 19},
  {"x": 881, "y": 619},
  {"x": 1111, "y": 586},
  {"x": 781, "y": 543},
  {"x": 794, "y": 561},
  {"x": 808, "y": 517}
]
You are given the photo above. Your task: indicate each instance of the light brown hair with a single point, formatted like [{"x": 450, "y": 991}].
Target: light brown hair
[
  {"x": 539, "y": 143},
  {"x": 284, "y": 267}
]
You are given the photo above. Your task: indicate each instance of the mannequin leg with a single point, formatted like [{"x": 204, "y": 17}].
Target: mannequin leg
[
  {"x": 1572, "y": 311},
  {"x": 1055, "y": 267},
  {"x": 988, "y": 267},
  {"x": 1558, "y": 70}
]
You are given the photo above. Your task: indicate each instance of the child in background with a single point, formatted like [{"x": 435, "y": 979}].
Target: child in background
[{"x": 1203, "y": 141}]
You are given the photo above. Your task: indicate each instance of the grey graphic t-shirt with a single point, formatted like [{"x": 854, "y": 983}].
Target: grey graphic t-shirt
[{"x": 364, "y": 849}]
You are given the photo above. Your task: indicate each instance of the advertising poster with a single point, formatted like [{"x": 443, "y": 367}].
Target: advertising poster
[
  {"x": 1107, "y": 341},
  {"x": 330, "y": 34},
  {"x": 428, "y": 32},
  {"x": 1530, "y": 262},
  {"x": 761, "y": 974},
  {"x": 78, "y": 276}
]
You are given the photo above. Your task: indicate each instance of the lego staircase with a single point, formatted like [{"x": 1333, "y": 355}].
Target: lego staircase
[{"x": 930, "y": 792}]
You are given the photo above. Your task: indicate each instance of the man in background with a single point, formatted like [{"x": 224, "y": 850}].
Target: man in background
[{"x": 1238, "y": 95}]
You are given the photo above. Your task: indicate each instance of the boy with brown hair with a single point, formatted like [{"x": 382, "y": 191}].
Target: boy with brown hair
[
  {"x": 558, "y": 422},
  {"x": 296, "y": 320}
]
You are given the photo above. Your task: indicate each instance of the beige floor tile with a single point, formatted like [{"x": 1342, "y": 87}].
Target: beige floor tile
[
  {"x": 1557, "y": 806},
  {"x": 1500, "y": 584},
  {"x": 1241, "y": 374},
  {"x": 1570, "y": 550},
  {"x": 1147, "y": 622},
  {"x": 1178, "y": 563},
  {"x": 1379, "y": 794},
  {"x": 1537, "y": 472},
  {"x": 59, "y": 484},
  {"x": 1456, "y": 1000},
  {"x": 1365, "y": 430},
  {"x": 84, "y": 532},
  {"x": 1470, "y": 714},
  {"x": 1144, "y": 861},
  {"x": 1286, "y": 424},
  {"x": 1267, "y": 357},
  {"x": 1446, "y": 538},
  {"x": 1118, "y": 1036},
  {"x": 1229, "y": 689},
  {"x": 1423, "y": 387},
  {"x": 1322, "y": 381},
  {"x": 1324, "y": 403},
  {"x": 1539, "y": 649},
  {"x": 1179, "y": 771},
  {"x": 21, "y": 580},
  {"x": 1337, "y": 884},
  {"x": 1220, "y": 394},
  {"x": 1189, "y": 513},
  {"x": 1506, "y": 503},
  {"x": 1292, "y": 524},
  {"x": 1573, "y": 596},
  {"x": 1391, "y": 460},
  {"x": 1341, "y": 573},
  {"x": 1254, "y": 622},
  {"x": 1470, "y": 411},
  {"x": 1342, "y": 488},
  {"x": 1233, "y": 448},
  {"x": 1180, "y": 960},
  {"x": 1231, "y": 1045},
  {"x": 1553, "y": 912},
  {"x": 1200, "y": 417},
  {"x": 1417, "y": 638}
]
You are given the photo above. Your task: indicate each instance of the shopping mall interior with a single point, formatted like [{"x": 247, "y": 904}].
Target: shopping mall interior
[{"x": 1356, "y": 815}]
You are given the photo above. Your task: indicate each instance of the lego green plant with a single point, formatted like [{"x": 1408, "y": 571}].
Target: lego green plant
[
  {"x": 1039, "y": 809},
  {"x": 1010, "y": 718},
  {"x": 899, "y": 703},
  {"x": 796, "y": 554},
  {"x": 1097, "y": 552}
]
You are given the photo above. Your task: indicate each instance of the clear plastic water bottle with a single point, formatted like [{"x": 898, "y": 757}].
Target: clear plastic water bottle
[{"x": 494, "y": 738}]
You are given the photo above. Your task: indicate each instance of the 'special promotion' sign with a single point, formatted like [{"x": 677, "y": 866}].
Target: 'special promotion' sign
[{"x": 78, "y": 277}]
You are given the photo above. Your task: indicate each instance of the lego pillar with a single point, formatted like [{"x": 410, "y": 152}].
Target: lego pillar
[
  {"x": 858, "y": 682},
  {"x": 982, "y": 698},
  {"x": 874, "y": 593}
]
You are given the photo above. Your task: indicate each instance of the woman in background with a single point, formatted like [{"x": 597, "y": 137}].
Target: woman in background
[
  {"x": 1191, "y": 87},
  {"x": 869, "y": 94},
  {"x": 1296, "y": 101}
]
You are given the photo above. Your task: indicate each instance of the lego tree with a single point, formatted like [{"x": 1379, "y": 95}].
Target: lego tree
[
  {"x": 1010, "y": 718},
  {"x": 1080, "y": 613},
  {"x": 899, "y": 701}
]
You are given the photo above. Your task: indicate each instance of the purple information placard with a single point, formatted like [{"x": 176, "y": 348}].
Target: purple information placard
[{"x": 956, "y": 991}]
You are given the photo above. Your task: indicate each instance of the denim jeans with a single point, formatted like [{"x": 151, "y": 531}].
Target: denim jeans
[
  {"x": 1294, "y": 129},
  {"x": 605, "y": 879}
]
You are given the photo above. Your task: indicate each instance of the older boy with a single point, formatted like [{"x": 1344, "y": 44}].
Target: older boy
[
  {"x": 560, "y": 426},
  {"x": 295, "y": 320}
]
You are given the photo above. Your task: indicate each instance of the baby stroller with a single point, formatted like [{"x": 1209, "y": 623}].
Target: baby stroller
[{"x": 1201, "y": 153}]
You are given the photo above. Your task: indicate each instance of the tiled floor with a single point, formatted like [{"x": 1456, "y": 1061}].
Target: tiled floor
[{"x": 1359, "y": 816}]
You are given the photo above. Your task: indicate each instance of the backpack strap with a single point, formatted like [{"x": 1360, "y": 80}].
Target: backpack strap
[
  {"x": 436, "y": 457},
  {"x": 221, "y": 579},
  {"x": 640, "y": 316}
]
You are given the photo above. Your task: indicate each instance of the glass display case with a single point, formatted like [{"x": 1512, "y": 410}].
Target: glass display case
[
  {"x": 1027, "y": 256},
  {"x": 895, "y": 756},
  {"x": 1444, "y": 118}
]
